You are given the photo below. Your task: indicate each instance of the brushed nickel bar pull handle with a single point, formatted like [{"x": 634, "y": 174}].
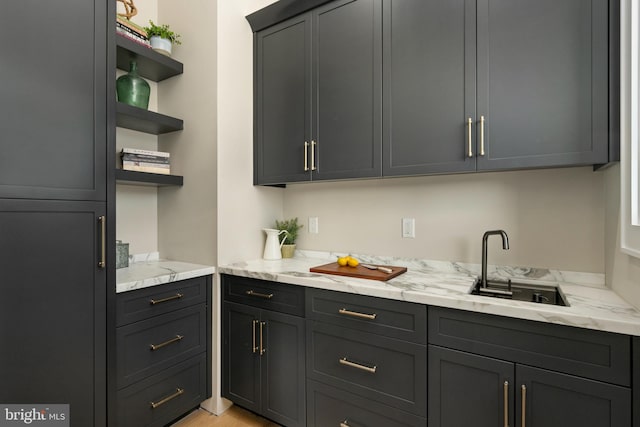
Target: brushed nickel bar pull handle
[
  {"x": 313, "y": 155},
  {"x": 356, "y": 314},
  {"x": 346, "y": 362},
  {"x": 524, "y": 406},
  {"x": 345, "y": 423},
  {"x": 155, "y": 347},
  {"x": 253, "y": 334},
  {"x": 178, "y": 392},
  {"x": 258, "y": 294},
  {"x": 262, "y": 349},
  {"x": 306, "y": 156},
  {"x": 102, "y": 221},
  {"x": 160, "y": 301},
  {"x": 482, "y": 135},
  {"x": 506, "y": 403},
  {"x": 469, "y": 137}
]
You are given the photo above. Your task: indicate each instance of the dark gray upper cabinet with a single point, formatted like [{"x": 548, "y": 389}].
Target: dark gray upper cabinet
[
  {"x": 539, "y": 70},
  {"x": 318, "y": 83},
  {"x": 347, "y": 78},
  {"x": 282, "y": 106},
  {"x": 53, "y": 113},
  {"x": 429, "y": 86},
  {"x": 542, "y": 83}
]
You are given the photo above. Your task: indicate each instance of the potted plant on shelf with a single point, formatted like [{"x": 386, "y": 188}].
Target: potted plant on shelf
[
  {"x": 292, "y": 227},
  {"x": 162, "y": 38}
]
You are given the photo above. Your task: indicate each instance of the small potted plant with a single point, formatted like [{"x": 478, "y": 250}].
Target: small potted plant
[
  {"x": 161, "y": 38},
  {"x": 292, "y": 227}
]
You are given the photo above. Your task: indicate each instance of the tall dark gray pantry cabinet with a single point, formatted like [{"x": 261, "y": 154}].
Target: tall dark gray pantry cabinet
[{"x": 55, "y": 211}]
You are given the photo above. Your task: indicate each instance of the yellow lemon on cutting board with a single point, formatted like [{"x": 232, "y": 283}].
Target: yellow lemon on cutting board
[{"x": 348, "y": 260}]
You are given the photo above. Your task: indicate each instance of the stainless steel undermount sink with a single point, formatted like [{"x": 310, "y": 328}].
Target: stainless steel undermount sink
[{"x": 521, "y": 291}]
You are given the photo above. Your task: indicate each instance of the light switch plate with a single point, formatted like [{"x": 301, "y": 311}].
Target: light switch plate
[
  {"x": 408, "y": 228},
  {"x": 313, "y": 224}
]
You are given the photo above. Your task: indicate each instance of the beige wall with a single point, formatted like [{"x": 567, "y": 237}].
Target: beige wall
[
  {"x": 187, "y": 214},
  {"x": 554, "y": 217}
]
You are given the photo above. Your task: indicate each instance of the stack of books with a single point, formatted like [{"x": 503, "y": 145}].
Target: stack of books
[
  {"x": 132, "y": 31},
  {"x": 134, "y": 159}
]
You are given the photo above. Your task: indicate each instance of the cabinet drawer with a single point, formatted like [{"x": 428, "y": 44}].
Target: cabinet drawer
[
  {"x": 145, "y": 348},
  {"x": 587, "y": 353},
  {"x": 174, "y": 392},
  {"x": 329, "y": 406},
  {"x": 145, "y": 303},
  {"x": 264, "y": 294},
  {"x": 382, "y": 369},
  {"x": 394, "y": 319}
]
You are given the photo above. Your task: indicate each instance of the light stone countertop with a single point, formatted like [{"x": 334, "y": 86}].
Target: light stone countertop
[
  {"x": 447, "y": 284},
  {"x": 150, "y": 271}
]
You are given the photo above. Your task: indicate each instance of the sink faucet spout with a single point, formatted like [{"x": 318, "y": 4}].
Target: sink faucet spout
[{"x": 485, "y": 237}]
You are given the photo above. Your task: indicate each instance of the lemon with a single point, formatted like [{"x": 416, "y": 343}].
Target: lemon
[
  {"x": 343, "y": 260},
  {"x": 352, "y": 262}
]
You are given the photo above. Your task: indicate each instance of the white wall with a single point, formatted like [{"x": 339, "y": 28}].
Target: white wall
[
  {"x": 242, "y": 209},
  {"x": 622, "y": 270}
]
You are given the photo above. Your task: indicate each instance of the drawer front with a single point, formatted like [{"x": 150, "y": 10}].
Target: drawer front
[
  {"x": 273, "y": 296},
  {"x": 394, "y": 319},
  {"x": 157, "y": 400},
  {"x": 145, "y": 303},
  {"x": 330, "y": 406},
  {"x": 587, "y": 353},
  {"x": 388, "y": 371},
  {"x": 147, "y": 347}
]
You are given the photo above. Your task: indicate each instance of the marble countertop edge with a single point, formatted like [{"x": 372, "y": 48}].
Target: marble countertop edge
[
  {"x": 592, "y": 305},
  {"x": 145, "y": 274}
]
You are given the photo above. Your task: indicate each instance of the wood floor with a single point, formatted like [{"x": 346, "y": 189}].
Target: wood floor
[{"x": 233, "y": 417}]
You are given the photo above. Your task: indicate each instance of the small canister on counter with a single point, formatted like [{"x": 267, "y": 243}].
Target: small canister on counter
[{"x": 122, "y": 254}]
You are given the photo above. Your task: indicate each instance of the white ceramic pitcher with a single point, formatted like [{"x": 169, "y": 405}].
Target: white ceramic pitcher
[{"x": 273, "y": 243}]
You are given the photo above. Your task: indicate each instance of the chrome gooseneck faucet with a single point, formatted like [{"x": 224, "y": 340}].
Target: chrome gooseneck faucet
[{"x": 485, "y": 237}]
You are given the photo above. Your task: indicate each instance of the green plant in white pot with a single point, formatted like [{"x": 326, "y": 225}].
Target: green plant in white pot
[
  {"x": 162, "y": 38},
  {"x": 292, "y": 227}
]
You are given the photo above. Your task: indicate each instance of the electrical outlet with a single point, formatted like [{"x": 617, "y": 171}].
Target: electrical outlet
[
  {"x": 313, "y": 224},
  {"x": 408, "y": 228}
]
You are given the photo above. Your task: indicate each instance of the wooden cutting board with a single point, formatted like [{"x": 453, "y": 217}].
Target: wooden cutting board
[{"x": 358, "y": 271}]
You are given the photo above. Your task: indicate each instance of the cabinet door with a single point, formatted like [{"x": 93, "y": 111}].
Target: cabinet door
[
  {"x": 240, "y": 355},
  {"x": 283, "y": 368},
  {"x": 53, "y": 308},
  {"x": 282, "y": 102},
  {"x": 430, "y": 60},
  {"x": 543, "y": 82},
  {"x": 53, "y": 100},
  {"x": 348, "y": 88},
  {"x": 469, "y": 390},
  {"x": 558, "y": 400}
]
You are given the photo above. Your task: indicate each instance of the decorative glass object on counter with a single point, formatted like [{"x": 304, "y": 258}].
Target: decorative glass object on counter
[{"x": 122, "y": 254}]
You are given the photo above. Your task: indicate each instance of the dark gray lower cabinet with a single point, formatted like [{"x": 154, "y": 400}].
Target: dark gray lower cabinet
[
  {"x": 163, "y": 349},
  {"x": 263, "y": 356},
  {"x": 53, "y": 346},
  {"x": 330, "y": 406},
  {"x": 515, "y": 377},
  {"x": 366, "y": 361}
]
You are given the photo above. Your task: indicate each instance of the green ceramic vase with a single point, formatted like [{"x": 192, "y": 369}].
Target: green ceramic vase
[{"x": 133, "y": 89}]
